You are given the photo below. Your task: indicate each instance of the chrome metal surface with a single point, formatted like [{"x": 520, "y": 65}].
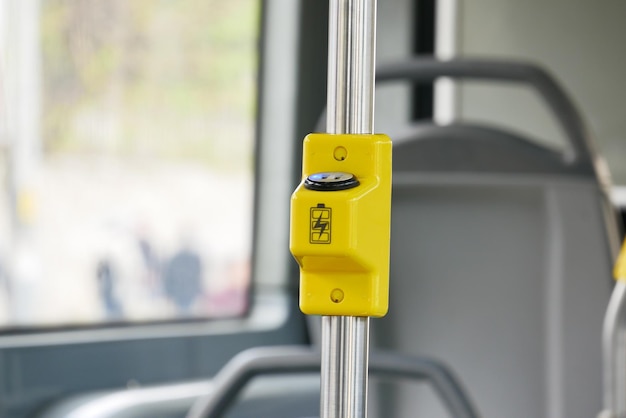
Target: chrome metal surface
[
  {"x": 332, "y": 177},
  {"x": 351, "y": 56},
  {"x": 614, "y": 353},
  {"x": 345, "y": 352},
  {"x": 350, "y": 106}
]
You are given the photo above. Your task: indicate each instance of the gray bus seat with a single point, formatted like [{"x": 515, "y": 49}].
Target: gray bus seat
[
  {"x": 501, "y": 256},
  {"x": 510, "y": 276}
]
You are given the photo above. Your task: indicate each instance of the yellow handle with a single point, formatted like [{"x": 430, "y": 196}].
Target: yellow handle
[{"x": 340, "y": 223}]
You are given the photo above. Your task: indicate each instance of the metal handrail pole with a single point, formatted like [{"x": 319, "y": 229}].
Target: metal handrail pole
[
  {"x": 351, "y": 71},
  {"x": 614, "y": 354}
]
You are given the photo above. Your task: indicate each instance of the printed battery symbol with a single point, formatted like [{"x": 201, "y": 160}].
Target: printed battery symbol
[{"x": 321, "y": 218}]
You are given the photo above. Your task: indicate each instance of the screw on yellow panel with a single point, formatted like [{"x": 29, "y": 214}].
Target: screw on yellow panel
[
  {"x": 340, "y": 230},
  {"x": 619, "y": 271}
]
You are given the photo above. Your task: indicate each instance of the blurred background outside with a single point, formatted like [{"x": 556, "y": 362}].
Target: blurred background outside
[{"x": 126, "y": 159}]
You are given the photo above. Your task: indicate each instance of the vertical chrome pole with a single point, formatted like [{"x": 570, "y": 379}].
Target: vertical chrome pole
[
  {"x": 350, "y": 106},
  {"x": 351, "y": 66},
  {"x": 614, "y": 347}
]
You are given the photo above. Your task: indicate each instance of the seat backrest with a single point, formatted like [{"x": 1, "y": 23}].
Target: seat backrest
[{"x": 501, "y": 267}]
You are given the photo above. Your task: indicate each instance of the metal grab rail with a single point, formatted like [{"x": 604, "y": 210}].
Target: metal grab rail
[
  {"x": 350, "y": 102},
  {"x": 614, "y": 345},
  {"x": 581, "y": 150},
  {"x": 290, "y": 360},
  {"x": 614, "y": 354}
]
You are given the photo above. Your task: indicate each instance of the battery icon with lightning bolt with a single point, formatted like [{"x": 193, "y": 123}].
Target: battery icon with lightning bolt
[{"x": 321, "y": 218}]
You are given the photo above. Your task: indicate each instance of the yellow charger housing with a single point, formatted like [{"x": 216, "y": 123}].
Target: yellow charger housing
[
  {"x": 340, "y": 238},
  {"x": 619, "y": 270}
]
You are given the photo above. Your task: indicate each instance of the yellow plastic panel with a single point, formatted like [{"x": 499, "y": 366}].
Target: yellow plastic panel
[
  {"x": 341, "y": 238},
  {"x": 619, "y": 272}
]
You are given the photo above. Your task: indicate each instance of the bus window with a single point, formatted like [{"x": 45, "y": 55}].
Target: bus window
[{"x": 129, "y": 196}]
